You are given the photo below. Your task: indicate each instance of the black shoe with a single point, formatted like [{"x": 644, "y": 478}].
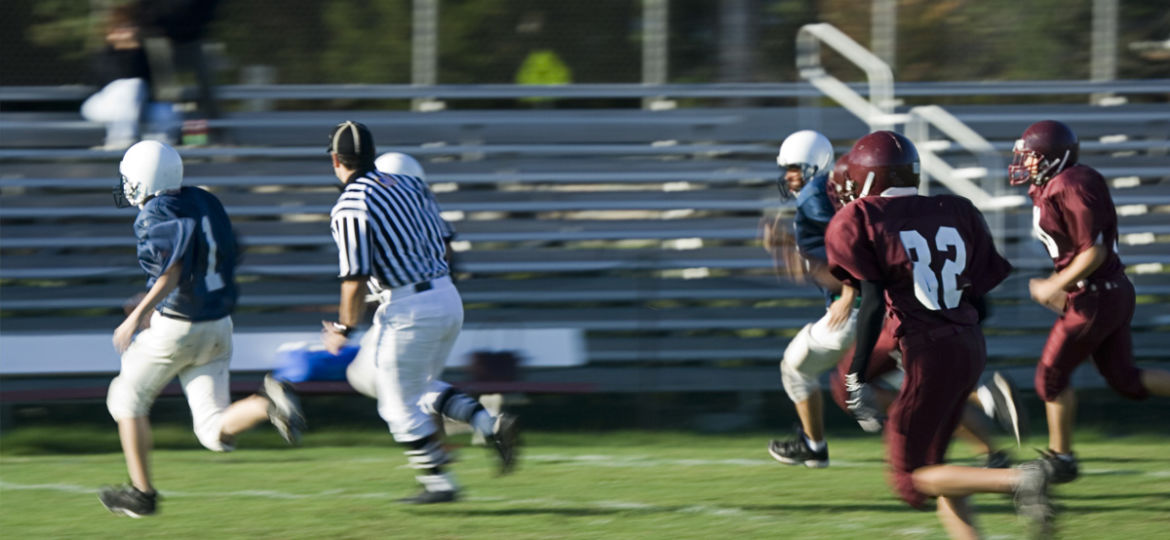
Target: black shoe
[
  {"x": 795, "y": 451},
  {"x": 430, "y": 497},
  {"x": 1008, "y": 412},
  {"x": 128, "y": 501},
  {"x": 284, "y": 408},
  {"x": 1064, "y": 469},
  {"x": 505, "y": 440},
  {"x": 1031, "y": 497},
  {"x": 998, "y": 460}
]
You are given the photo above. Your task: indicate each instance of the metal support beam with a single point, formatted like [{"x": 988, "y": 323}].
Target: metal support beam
[
  {"x": 884, "y": 30},
  {"x": 424, "y": 50},
  {"x": 1103, "y": 60},
  {"x": 655, "y": 48}
]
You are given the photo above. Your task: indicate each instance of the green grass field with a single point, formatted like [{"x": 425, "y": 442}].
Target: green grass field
[{"x": 623, "y": 484}]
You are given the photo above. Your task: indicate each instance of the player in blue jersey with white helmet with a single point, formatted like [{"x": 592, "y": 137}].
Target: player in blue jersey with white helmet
[
  {"x": 188, "y": 249},
  {"x": 806, "y": 160}
]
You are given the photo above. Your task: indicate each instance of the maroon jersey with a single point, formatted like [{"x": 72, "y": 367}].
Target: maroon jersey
[
  {"x": 1072, "y": 212},
  {"x": 926, "y": 251}
]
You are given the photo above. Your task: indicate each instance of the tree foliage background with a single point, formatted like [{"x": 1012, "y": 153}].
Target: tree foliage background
[{"x": 486, "y": 41}]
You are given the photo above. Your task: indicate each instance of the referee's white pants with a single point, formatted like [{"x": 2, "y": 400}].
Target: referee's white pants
[
  {"x": 198, "y": 353},
  {"x": 411, "y": 338}
]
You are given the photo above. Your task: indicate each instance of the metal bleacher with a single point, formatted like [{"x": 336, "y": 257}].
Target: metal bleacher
[{"x": 639, "y": 227}]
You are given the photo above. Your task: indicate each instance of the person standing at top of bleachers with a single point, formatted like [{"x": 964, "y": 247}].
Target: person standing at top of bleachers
[
  {"x": 176, "y": 30},
  {"x": 123, "y": 74},
  {"x": 188, "y": 249},
  {"x": 1074, "y": 217},
  {"x": 391, "y": 239}
]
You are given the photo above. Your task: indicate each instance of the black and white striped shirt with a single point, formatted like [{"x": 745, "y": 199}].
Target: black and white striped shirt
[{"x": 388, "y": 227}]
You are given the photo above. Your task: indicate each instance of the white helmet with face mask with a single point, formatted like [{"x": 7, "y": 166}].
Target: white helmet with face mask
[
  {"x": 147, "y": 169},
  {"x": 808, "y": 150}
]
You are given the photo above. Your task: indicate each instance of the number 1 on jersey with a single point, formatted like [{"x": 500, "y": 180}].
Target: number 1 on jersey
[
  {"x": 213, "y": 281},
  {"x": 926, "y": 283}
]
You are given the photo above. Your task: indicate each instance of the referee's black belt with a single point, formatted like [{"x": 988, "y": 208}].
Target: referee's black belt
[{"x": 398, "y": 293}]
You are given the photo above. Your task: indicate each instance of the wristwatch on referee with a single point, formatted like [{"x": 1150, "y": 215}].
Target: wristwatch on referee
[{"x": 338, "y": 328}]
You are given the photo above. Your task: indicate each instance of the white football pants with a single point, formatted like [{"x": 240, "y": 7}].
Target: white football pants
[
  {"x": 403, "y": 354},
  {"x": 815, "y": 349},
  {"x": 198, "y": 353}
]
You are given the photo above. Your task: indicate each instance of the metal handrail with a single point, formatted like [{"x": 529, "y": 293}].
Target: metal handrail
[{"x": 878, "y": 110}]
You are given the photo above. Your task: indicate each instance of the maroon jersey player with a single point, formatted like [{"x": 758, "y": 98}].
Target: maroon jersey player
[
  {"x": 1074, "y": 217},
  {"x": 932, "y": 260}
]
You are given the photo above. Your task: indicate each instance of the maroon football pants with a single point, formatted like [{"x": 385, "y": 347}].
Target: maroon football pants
[
  {"x": 942, "y": 367},
  {"x": 1095, "y": 324},
  {"x": 880, "y": 362}
]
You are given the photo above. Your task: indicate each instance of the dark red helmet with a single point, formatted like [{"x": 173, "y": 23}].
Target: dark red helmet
[
  {"x": 1054, "y": 148},
  {"x": 841, "y": 189},
  {"x": 882, "y": 160}
]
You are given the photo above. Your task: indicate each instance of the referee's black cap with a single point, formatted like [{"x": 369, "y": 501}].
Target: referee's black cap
[{"x": 351, "y": 138}]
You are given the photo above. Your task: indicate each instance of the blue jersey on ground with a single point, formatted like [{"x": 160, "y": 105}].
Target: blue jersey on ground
[
  {"x": 813, "y": 213},
  {"x": 190, "y": 227}
]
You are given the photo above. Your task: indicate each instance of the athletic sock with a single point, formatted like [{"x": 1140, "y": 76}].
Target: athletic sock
[
  {"x": 815, "y": 446},
  {"x": 483, "y": 422}
]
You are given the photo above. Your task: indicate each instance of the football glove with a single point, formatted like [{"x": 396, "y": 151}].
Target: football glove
[{"x": 863, "y": 404}]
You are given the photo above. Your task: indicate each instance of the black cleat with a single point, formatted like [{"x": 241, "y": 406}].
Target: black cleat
[
  {"x": 795, "y": 451},
  {"x": 1064, "y": 467},
  {"x": 284, "y": 408},
  {"x": 430, "y": 497},
  {"x": 128, "y": 501},
  {"x": 1031, "y": 497},
  {"x": 998, "y": 460},
  {"x": 505, "y": 440}
]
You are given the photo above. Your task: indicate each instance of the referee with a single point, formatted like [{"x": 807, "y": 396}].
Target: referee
[{"x": 391, "y": 239}]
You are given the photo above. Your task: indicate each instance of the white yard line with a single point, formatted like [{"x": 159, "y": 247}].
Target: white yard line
[{"x": 717, "y": 511}]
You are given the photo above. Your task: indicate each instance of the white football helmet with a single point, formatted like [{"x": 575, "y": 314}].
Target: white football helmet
[
  {"x": 807, "y": 149},
  {"x": 397, "y": 163},
  {"x": 148, "y": 168}
]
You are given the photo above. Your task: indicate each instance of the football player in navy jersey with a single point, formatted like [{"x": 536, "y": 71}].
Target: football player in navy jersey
[
  {"x": 926, "y": 263},
  {"x": 188, "y": 250},
  {"x": 1074, "y": 217}
]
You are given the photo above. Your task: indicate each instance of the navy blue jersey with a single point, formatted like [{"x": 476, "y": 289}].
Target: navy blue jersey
[
  {"x": 813, "y": 213},
  {"x": 191, "y": 228}
]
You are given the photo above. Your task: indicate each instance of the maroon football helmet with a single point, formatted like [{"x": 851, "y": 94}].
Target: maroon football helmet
[
  {"x": 840, "y": 187},
  {"x": 1053, "y": 145},
  {"x": 882, "y": 160}
]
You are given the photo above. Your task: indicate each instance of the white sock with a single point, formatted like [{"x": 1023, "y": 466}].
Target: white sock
[
  {"x": 986, "y": 400},
  {"x": 815, "y": 446},
  {"x": 437, "y": 482},
  {"x": 484, "y": 423}
]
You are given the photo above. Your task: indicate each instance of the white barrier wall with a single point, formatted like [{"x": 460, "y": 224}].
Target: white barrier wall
[{"x": 40, "y": 354}]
